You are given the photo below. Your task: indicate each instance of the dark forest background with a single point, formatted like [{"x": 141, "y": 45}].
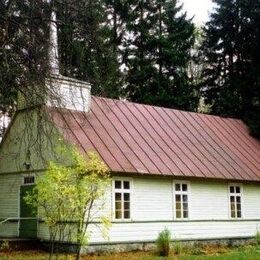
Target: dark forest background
[{"x": 144, "y": 51}]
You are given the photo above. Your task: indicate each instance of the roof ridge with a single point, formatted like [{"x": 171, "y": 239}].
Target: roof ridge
[{"x": 155, "y": 106}]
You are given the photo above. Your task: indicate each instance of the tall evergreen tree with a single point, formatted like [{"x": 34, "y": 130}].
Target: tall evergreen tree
[
  {"x": 231, "y": 51},
  {"x": 157, "y": 54},
  {"x": 23, "y": 48},
  {"x": 86, "y": 51}
]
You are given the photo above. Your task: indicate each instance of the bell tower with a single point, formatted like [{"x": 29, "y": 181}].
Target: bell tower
[{"x": 59, "y": 91}]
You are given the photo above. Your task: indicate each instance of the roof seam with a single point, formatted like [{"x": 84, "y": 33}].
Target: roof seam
[
  {"x": 134, "y": 139},
  {"x": 188, "y": 138},
  {"x": 206, "y": 141},
  {"x": 219, "y": 130},
  {"x": 198, "y": 142},
  {"x": 82, "y": 113},
  {"x": 249, "y": 141},
  {"x": 171, "y": 140},
  {"x": 161, "y": 139},
  {"x": 186, "y": 155},
  {"x": 148, "y": 143},
  {"x": 127, "y": 143},
  {"x": 110, "y": 134},
  {"x": 221, "y": 148}
]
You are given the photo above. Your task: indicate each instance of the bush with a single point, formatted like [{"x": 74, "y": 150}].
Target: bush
[
  {"x": 4, "y": 246},
  {"x": 177, "y": 248},
  {"x": 163, "y": 242},
  {"x": 257, "y": 238}
]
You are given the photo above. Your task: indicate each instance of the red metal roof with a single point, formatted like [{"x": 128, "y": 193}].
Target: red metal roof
[{"x": 136, "y": 138}]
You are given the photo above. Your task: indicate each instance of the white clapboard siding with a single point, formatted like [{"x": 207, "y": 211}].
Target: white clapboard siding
[
  {"x": 9, "y": 198},
  {"x": 9, "y": 229},
  {"x": 145, "y": 232},
  {"x": 152, "y": 199},
  {"x": 208, "y": 201},
  {"x": 152, "y": 211},
  {"x": 9, "y": 195},
  {"x": 251, "y": 201}
]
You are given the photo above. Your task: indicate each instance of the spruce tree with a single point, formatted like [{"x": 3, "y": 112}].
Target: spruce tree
[
  {"x": 157, "y": 55},
  {"x": 23, "y": 48},
  {"x": 231, "y": 53},
  {"x": 86, "y": 51}
]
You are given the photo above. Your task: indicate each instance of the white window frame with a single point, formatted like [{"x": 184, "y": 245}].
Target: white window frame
[
  {"x": 181, "y": 193},
  {"x": 114, "y": 190},
  {"x": 28, "y": 176},
  {"x": 241, "y": 200}
]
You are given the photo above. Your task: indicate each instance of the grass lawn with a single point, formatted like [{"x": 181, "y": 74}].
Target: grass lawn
[{"x": 212, "y": 253}]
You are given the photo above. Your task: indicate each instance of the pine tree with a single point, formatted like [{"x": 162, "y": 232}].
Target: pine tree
[
  {"x": 231, "y": 52},
  {"x": 157, "y": 55}
]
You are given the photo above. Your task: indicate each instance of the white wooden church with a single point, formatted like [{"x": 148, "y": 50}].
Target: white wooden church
[{"x": 197, "y": 175}]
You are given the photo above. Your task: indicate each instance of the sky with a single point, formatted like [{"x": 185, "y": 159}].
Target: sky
[{"x": 198, "y": 8}]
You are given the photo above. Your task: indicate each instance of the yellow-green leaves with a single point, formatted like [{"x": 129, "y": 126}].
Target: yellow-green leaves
[{"x": 70, "y": 198}]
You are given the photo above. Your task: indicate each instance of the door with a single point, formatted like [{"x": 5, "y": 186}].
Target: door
[{"x": 28, "y": 215}]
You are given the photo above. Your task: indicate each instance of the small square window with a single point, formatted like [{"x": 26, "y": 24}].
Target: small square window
[
  {"x": 126, "y": 196},
  {"x": 184, "y": 187},
  {"x": 178, "y": 197},
  {"x": 126, "y": 214},
  {"x": 185, "y": 214},
  {"x": 118, "y": 196},
  {"x": 118, "y": 184},
  {"x": 29, "y": 180},
  {"x": 127, "y": 205},
  {"x": 178, "y": 206},
  {"x": 177, "y": 187},
  {"x": 237, "y": 189},
  {"x": 185, "y": 206},
  {"x": 232, "y": 189},
  {"x": 118, "y": 205},
  {"x": 126, "y": 185},
  {"x": 118, "y": 214},
  {"x": 178, "y": 214}
]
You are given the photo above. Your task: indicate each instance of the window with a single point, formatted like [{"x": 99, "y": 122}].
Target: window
[
  {"x": 181, "y": 200},
  {"x": 235, "y": 194},
  {"x": 27, "y": 180},
  {"x": 122, "y": 199}
]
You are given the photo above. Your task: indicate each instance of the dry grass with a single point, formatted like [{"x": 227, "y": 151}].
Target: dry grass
[{"x": 194, "y": 253}]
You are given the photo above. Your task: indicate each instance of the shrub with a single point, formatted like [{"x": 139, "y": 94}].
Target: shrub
[
  {"x": 4, "y": 246},
  {"x": 163, "y": 242},
  {"x": 177, "y": 248},
  {"x": 257, "y": 237}
]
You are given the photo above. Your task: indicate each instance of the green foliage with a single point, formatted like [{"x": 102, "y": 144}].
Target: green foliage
[
  {"x": 196, "y": 250},
  {"x": 177, "y": 248},
  {"x": 257, "y": 238},
  {"x": 163, "y": 242},
  {"x": 23, "y": 48},
  {"x": 72, "y": 194},
  {"x": 87, "y": 48},
  {"x": 94, "y": 45},
  {"x": 231, "y": 82},
  {"x": 158, "y": 53},
  {"x": 4, "y": 246}
]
